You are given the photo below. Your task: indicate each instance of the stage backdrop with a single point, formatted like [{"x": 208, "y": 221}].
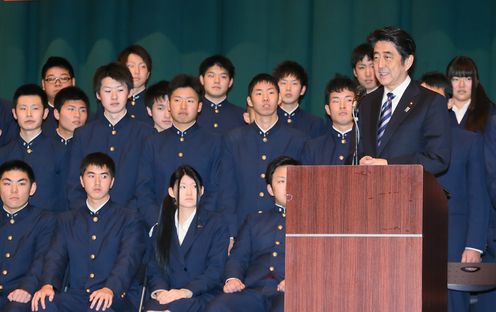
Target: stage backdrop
[{"x": 255, "y": 34}]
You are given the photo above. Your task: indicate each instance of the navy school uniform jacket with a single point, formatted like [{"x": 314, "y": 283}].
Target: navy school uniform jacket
[
  {"x": 468, "y": 203},
  {"x": 123, "y": 142},
  {"x": 163, "y": 153},
  {"x": 257, "y": 258},
  {"x": 101, "y": 250},
  {"x": 49, "y": 163},
  {"x": 198, "y": 263},
  {"x": 307, "y": 123},
  {"x": 332, "y": 148},
  {"x": 418, "y": 132},
  {"x": 8, "y": 126},
  {"x": 247, "y": 152},
  {"x": 220, "y": 118},
  {"x": 25, "y": 237}
]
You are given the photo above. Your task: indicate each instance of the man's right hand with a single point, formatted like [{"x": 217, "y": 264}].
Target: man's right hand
[
  {"x": 233, "y": 285},
  {"x": 40, "y": 295}
]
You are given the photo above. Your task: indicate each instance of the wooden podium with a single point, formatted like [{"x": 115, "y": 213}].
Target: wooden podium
[{"x": 365, "y": 238}]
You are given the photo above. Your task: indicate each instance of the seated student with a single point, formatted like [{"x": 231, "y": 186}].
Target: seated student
[
  {"x": 71, "y": 108},
  {"x": 41, "y": 152},
  {"x": 254, "y": 274},
  {"x": 362, "y": 63},
  {"x": 101, "y": 242},
  {"x": 116, "y": 133},
  {"x": 56, "y": 74},
  {"x": 335, "y": 147},
  {"x": 293, "y": 81},
  {"x": 249, "y": 148},
  {"x": 157, "y": 105},
  {"x": 185, "y": 271},
  {"x": 26, "y": 232},
  {"x": 218, "y": 114},
  {"x": 185, "y": 143}
]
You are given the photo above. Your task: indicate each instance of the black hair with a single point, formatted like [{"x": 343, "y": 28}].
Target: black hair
[
  {"x": 338, "y": 84},
  {"x": 70, "y": 94},
  {"x": 402, "y": 40},
  {"x": 155, "y": 92},
  {"x": 479, "y": 110},
  {"x": 138, "y": 50},
  {"x": 263, "y": 77},
  {"x": 435, "y": 79},
  {"x": 219, "y": 60},
  {"x": 30, "y": 90},
  {"x": 291, "y": 68},
  {"x": 56, "y": 61},
  {"x": 361, "y": 51},
  {"x": 18, "y": 165},
  {"x": 185, "y": 81},
  {"x": 169, "y": 207},
  {"x": 276, "y": 163},
  {"x": 100, "y": 160},
  {"x": 114, "y": 70}
]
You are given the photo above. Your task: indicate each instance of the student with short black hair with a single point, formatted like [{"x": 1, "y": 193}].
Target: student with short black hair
[
  {"x": 102, "y": 243},
  {"x": 39, "y": 150},
  {"x": 218, "y": 115},
  {"x": 157, "y": 105},
  {"x": 71, "y": 110},
  {"x": 26, "y": 232},
  {"x": 56, "y": 74},
  {"x": 362, "y": 64},
  {"x": 184, "y": 143},
  {"x": 116, "y": 133}
]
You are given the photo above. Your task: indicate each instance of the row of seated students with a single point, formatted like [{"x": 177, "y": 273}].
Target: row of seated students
[{"x": 196, "y": 125}]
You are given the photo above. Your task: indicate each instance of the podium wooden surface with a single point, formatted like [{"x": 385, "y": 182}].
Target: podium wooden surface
[{"x": 365, "y": 238}]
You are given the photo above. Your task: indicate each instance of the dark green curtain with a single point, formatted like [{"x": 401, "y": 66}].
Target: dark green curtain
[{"x": 255, "y": 34}]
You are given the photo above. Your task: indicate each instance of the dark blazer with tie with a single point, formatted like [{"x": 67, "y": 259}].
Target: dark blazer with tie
[
  {"x": 197, "y": 264},
  {"x": 418, "y": 132}
]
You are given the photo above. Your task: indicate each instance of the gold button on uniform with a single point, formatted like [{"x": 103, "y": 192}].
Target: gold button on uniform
[
  {"x": 278, "y": 243},
  {"x": 216, "y": 125},
  {"x": 9, "y": 237},
  {"x": 7, "y": 255},
  {"x": 93, "y": 237},
  {"x": 341, "y": 157},
  {"x": 92, "y": 275},
  {"x": 216, "y": 111},
  {"x": 92, "y": 256},
  {"x": 279, "y": 227},
  {"x": 95, "y": 219},
  {"x": 133, "y": 116},
  {"x": 1, "y": 287},
  {"x": 12, "y": 221},
  {"x": 180, "y": 154},
  {"x": 29, "y": 151},
  {"x": 262, "y": 175},
  {"x": 5, "y": 272},
  {"x": 123, "y": 295},
  {"x": 181, "y": 139},
  {"x": 88, "y": 290},
  {"x": 274, "y": 254},
  {"x": 264, "y": 157},
  {"x": 290, "y": 121},
  {"x": 343, "y": 141},
  {"x": 271, "y": 268},
  {"x": 265, "y": 139},
  {"x": 261, "y": 194},
  {"x": 114, "y": 132},
  {"x": 112, "y": 148},
  {"x": 133, "y": 103}
]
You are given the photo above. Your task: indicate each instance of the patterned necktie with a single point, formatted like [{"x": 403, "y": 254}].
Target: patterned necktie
[{"x": 386, "y": 113}]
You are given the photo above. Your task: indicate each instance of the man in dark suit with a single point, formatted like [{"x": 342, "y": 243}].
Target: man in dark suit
[
  {"x": 401, "y": 122},
  {"x": 101, "y": 242},
  {"x": 255, "y": 270}
]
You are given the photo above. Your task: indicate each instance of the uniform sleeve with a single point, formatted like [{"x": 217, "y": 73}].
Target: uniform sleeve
[
  {"x": 210, "y": 198},
  {"x": 75, "y": 193},
  {"x": 239, "y": 260},
  {"x": 490, "y": 156},
  {"x": 478, "y": 198},
  {"x": 56, "y": 258},
  {"x": 228, "y": 187}
]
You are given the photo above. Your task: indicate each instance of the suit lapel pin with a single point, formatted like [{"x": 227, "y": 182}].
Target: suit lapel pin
[
  {"x": 407, "y": 109},
  {"x": 199, "y": 226}
]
